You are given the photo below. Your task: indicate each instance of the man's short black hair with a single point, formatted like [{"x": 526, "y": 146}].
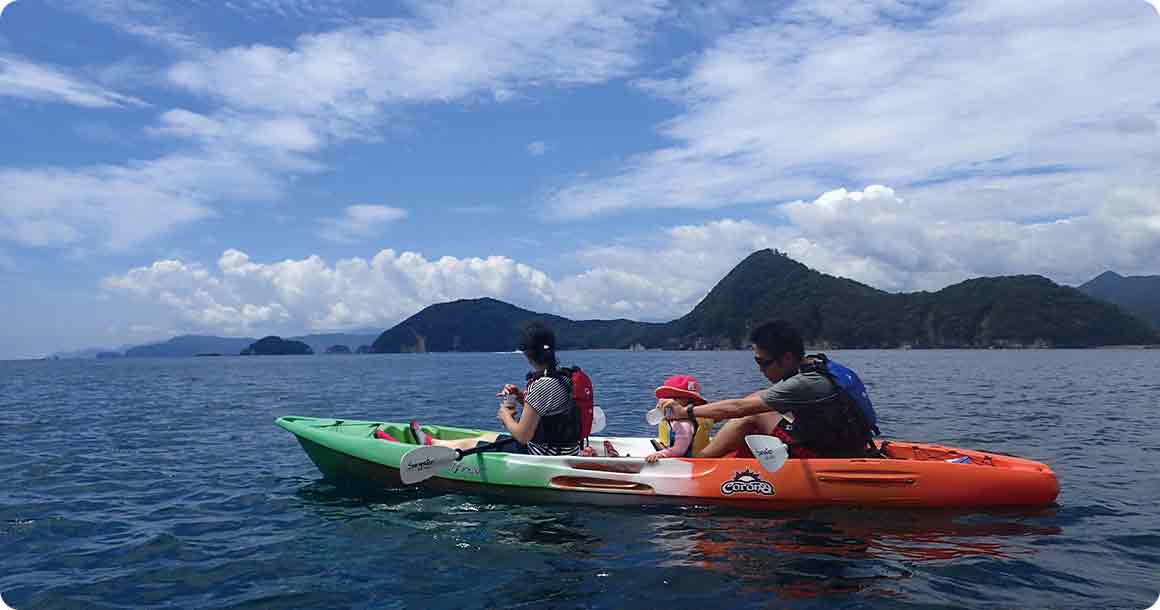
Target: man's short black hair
[{"x": 778, "y": 337}]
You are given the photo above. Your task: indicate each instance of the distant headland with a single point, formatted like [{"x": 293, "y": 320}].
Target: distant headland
[{"x": 1021, "y": 311}]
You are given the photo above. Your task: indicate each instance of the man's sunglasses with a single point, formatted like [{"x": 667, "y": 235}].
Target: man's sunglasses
[{"x": 763, "y": 363}]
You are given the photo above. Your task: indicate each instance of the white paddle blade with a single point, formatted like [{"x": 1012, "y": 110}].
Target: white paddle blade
[
  {"x": 422, "y": 463},
  {"x": 654, "y": 417},
  {"x": 598, "y": 420},
  {"x": 770, "y": 452}
]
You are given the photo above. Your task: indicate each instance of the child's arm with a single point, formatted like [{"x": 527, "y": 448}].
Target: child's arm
[{"x": 682, "y": 438}]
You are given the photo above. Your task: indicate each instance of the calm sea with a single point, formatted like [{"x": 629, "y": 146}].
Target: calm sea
[{"x": 165, "y": 484}]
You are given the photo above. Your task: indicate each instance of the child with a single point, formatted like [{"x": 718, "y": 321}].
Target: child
[{"x": 685, "y": 390}]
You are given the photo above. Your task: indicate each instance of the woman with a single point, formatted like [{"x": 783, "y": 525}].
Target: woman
[{"x": 549, "y": 423}]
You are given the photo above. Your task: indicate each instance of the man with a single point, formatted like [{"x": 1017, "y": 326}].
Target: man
[{"x": 815, "y": 406}]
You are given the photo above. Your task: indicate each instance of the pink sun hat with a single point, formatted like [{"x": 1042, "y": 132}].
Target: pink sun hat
[{"x": 682, "y": 386}]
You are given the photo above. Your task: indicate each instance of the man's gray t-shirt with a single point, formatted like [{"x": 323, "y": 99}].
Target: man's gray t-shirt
[{"x": 800, "y": 392}]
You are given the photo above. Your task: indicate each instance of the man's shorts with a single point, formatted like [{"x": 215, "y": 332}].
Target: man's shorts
[{"x": 795, "y": 451}]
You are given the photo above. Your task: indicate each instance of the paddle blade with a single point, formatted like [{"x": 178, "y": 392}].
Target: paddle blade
[
  {"x": 598, "y": 420},
  {"x": 422, "y": 463},
  {"x": 770, "y": 452},
  {"x": 654, "y": 417}
]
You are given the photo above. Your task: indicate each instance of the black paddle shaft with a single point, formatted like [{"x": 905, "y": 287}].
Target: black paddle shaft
[{"x": 462, "y": 453}]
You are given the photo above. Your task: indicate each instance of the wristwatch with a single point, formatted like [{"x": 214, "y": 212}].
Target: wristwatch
[{"x": 689, "y": 412}]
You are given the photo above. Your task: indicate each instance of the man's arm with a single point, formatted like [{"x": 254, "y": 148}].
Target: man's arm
[{"x": 725, "y": 409}]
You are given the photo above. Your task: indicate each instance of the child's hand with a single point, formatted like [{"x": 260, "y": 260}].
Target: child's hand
[{"x": 653, "y": 457}]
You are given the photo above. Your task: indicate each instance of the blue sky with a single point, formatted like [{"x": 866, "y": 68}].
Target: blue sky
[{"x": 291, "y": 166}]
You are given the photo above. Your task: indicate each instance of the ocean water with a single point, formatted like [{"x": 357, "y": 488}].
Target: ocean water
[{"x": 165, "y": 484}]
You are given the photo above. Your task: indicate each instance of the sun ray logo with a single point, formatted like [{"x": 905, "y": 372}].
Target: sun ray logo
[
  {"x": 3, "y": 5},
  {"x": 747, "y": 482}
]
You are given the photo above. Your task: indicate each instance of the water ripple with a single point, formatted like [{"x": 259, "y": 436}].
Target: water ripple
[{"x": 162, "y": 483}]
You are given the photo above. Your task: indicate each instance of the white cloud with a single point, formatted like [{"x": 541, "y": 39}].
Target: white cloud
[
  {"x": 874, "y": 236},
  {"x": 273, "y": 142},
  {"x": 537, "y": 148},
  {"x": 244, "y": 296},
  {"x": 281, "y": 106},
  {"x": 448, "y": 51},
  {"x": 359, "y": 222},
  {"x": 900, "y": 93},
  {"x": 119, "y": 206},
  {"x": 896, "y": 243},
  {"x": 289, "y": 9},
  {"x": 154, "y": 22},
  {"x": 40, "y": 83}
]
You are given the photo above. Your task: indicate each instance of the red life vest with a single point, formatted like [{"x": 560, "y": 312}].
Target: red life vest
[{"x": 584, "y": 398}]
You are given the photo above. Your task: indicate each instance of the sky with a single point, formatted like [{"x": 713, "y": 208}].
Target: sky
[{"x": 253, "y": 167}]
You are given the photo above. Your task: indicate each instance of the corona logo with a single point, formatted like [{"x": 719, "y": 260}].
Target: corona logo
[{"x": 747, "y": 482}]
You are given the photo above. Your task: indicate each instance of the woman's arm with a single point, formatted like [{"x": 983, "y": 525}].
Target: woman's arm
[{"x": 523, "y": 429}]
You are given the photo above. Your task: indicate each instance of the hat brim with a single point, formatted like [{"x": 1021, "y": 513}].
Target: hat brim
[{"x": 666, "y": 391}]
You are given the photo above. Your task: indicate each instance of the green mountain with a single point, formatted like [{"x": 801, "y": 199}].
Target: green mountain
[
  {"x": 190, "y": 345},
  {"x": 320, "y": 342},
  {"x": 1013, "y": 311},
  {"x": 1138, "y": 294},
  {"x": 87, "y": 353},
  {"x": 277, "y": 346},
  {"x": 833, "y": 312},
  {"x": 186, "y": 346},
  {"x": 488, "y": 325}
]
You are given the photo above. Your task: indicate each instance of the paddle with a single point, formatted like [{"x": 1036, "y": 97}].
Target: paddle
[
  {"x": 770, "y": 452},
  {"x": 599, "y": 421},
  {"x": 422, "y": 463}
]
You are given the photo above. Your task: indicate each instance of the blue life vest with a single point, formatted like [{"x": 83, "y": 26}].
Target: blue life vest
[
  {"x": 842, "y": 429},
  {"x": 849, "y": 383}
]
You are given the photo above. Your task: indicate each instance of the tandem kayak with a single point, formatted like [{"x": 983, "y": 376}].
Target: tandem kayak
[{"x": 910, "y": 475}]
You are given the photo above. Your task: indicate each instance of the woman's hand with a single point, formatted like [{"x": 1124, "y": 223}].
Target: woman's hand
[
  {"x": 513, "y": 390},
  {"x": 505, "y": 412},
  {"x": 653, "y": 457}
]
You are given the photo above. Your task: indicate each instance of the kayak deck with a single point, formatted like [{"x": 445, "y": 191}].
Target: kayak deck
[{"x": 910, "y": 474}]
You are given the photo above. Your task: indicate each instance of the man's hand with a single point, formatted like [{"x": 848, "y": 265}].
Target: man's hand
[{"x": 671, "y": 409}]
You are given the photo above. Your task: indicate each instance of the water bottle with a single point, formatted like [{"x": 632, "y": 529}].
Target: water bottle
[{"x": 655, "y": 415}]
